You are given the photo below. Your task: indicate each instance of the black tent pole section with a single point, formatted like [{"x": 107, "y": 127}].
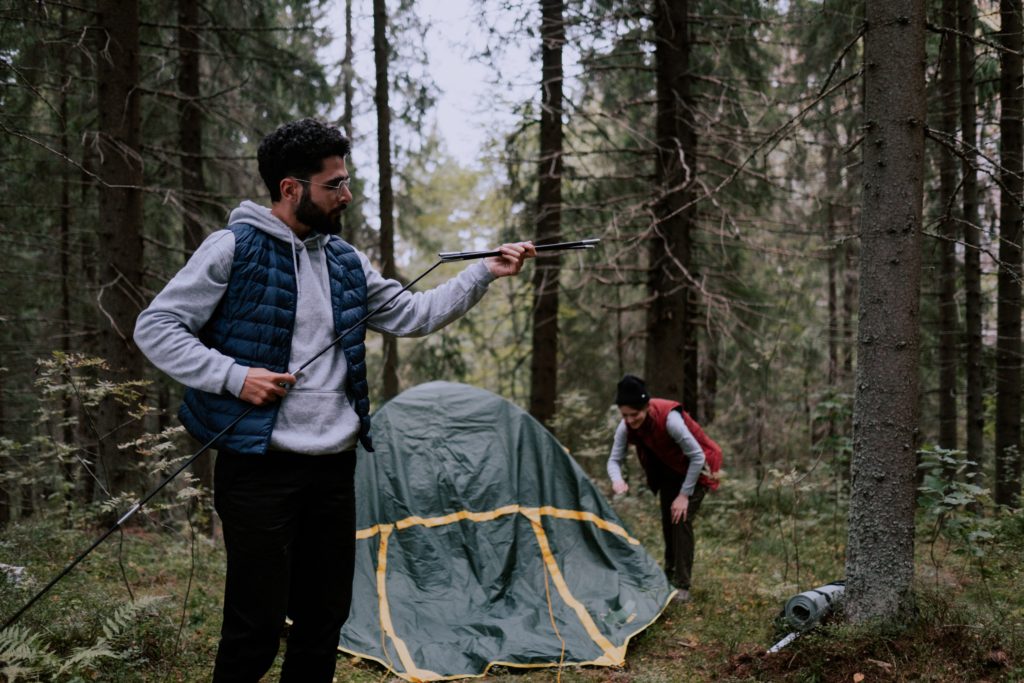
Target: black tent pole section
[
  {"x": 444, "y": 258},
  {"x": 560, "y": 246}
]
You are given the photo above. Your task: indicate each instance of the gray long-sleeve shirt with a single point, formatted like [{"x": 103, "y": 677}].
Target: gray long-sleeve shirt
[
  {"x": 676, "y": 427},
  {"x": 316, "y": 416}
]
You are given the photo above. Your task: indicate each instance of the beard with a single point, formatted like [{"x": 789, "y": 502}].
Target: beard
[{"x": 316, "y": 218}]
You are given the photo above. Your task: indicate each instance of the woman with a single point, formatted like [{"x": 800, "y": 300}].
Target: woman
[{"x": 671, "y": 448}]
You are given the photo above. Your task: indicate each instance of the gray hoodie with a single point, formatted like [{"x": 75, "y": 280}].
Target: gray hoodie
[{"x": 316, "y": 417}]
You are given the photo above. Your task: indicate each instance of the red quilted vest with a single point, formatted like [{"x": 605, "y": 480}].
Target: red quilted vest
[{"x": 653, "y": 439}]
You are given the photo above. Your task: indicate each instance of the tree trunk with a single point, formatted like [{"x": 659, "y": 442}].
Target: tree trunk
[
  {"x": 544, "y": 358},
  {"x": 1008, "y": 312},
  {"x": 67, "y": 402},
  {"x": 348, "y": 74},
  {"x": 193, "y": 183},
  {"x": 948, "y": 333},
  {"x": 709, "y": 378},
  {"x": 671, "y": 339},
  {"x": 348, "y": 89},
  {"x": 190, "y": 125},
  {"x": 120, "y": 240},
  {"x": 972, "y": 242},
  {"x": 850, "y": 287},
  {"x": 387, "y": 199},
  {"x": 833, "y": 182},
  {"x": 880, "y": 549}
]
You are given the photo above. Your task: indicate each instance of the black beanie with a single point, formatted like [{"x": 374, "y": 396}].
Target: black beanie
[{"x": 631, "y": 391}]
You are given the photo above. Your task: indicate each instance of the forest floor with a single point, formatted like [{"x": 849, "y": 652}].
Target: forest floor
[{"x": 757, "y": 546}]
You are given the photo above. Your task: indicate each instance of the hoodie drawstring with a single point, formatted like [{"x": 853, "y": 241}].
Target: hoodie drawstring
[{"x": 295, "y": 264}]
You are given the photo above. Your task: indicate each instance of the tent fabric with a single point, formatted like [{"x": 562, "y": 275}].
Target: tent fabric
[{"x": 481, "y": 542}]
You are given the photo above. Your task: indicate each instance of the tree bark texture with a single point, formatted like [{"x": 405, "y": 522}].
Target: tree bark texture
[
  {"x": 670, "y": 359},
  {"x": 833, "y": 182},
  {"x": 64, "y": 239},
  {"x": 190, "y": 126},
  {"x": 348, "y": 232},
  {"x": 348, "y": 74},
  {"x": 975, "y": 423},
  {"x": 1008, "y": 309},
  {"x": 381, "y": 51},
  {"x": 880, "y": 548},
  {"x": 193, "y": 184},
  {"x": 948, "y": 332},
  {"x": 120, "y": 239},
  {"x": 544, "y": 358}
]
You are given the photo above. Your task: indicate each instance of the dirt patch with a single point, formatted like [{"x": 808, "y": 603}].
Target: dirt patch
[{"x": 935, "y": 653}]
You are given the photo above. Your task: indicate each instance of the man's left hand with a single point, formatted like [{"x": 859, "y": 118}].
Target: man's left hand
[
  {"x": 512, "y": 257},
  {"x": 680, "y": 506}
]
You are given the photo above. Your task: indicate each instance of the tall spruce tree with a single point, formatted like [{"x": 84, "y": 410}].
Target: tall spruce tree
[
  {"x": 948, "y": 332},
  {"x": 381, "y": 55},
  {"x": 880, "y": 547},
  {"x": 972, "y": 231},
  {"x": 544, "y": 351},
  {"x": 1011, "y": 218},
  {"x": 670, "y": 361},
  {"x": 119, "y": 164}
]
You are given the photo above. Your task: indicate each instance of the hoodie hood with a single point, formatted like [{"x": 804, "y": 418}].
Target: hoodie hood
[{"x": 262, "y": 219}]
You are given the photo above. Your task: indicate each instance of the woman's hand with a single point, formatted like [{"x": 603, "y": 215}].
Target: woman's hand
[{"x": 680, "y": 506}]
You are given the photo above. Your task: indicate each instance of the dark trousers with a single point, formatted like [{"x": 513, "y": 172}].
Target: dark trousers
[
  {"x": 289, "y": 531},
  {"x": 679, "y": 537}
]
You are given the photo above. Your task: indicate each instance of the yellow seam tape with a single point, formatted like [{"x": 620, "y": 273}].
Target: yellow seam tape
[
  {"x": 414, "y": 520},
  {"x": 457, "y": 517},
  {"x": 614, "y": 656},
  {"x": 589, "y": 517},
  {"x": 412, "y": 672}
]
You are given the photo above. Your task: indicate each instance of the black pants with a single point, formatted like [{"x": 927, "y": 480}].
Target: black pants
[
  {"x": 679, "y": 537},
  {"x": 289, "y": 531}
]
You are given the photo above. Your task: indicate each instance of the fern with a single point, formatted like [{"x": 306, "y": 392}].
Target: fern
[
  {"x": 24, "y": 657},
  {"x": 84, "y": 658},
  {"x": 124, "y": 616}
]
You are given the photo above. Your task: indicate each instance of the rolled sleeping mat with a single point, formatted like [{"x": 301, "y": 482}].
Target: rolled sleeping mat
[{"x": 806, "y": 609}]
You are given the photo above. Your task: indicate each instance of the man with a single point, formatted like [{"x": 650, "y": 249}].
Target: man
[
  {"x": 254, "y": 301},
  {"x": 673, "y": 460}
]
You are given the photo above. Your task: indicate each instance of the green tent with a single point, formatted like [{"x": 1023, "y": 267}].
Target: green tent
[{"x": 482, "y": 542}]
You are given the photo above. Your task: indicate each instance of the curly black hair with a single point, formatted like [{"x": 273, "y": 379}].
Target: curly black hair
[{"x": 298, "y": 149}]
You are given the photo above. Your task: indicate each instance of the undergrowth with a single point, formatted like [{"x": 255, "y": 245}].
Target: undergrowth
[{"x": 146, "y": 605}]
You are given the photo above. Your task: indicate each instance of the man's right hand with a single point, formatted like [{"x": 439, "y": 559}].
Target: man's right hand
[
  {"x": 263, "y": 386},
  {"x": 619, "y": 487}
]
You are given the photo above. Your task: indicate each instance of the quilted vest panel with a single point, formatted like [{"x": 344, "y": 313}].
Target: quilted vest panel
[{"x": 253, "y": 324}]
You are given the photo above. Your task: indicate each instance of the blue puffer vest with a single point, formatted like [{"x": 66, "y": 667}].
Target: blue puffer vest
[{"x": 253, "y": 324}]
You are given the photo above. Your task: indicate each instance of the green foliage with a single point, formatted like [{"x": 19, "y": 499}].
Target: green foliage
[
  {"x": 50, "y": 473},
  {"x": 25, "y": 656},
  {"x": 758, "y": 544},
  {"x": 584, "y": 431},
  {"x": 952, "y": 504}
]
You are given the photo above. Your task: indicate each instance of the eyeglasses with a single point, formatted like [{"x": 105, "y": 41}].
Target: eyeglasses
[{"x": 336, "y": 188}]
